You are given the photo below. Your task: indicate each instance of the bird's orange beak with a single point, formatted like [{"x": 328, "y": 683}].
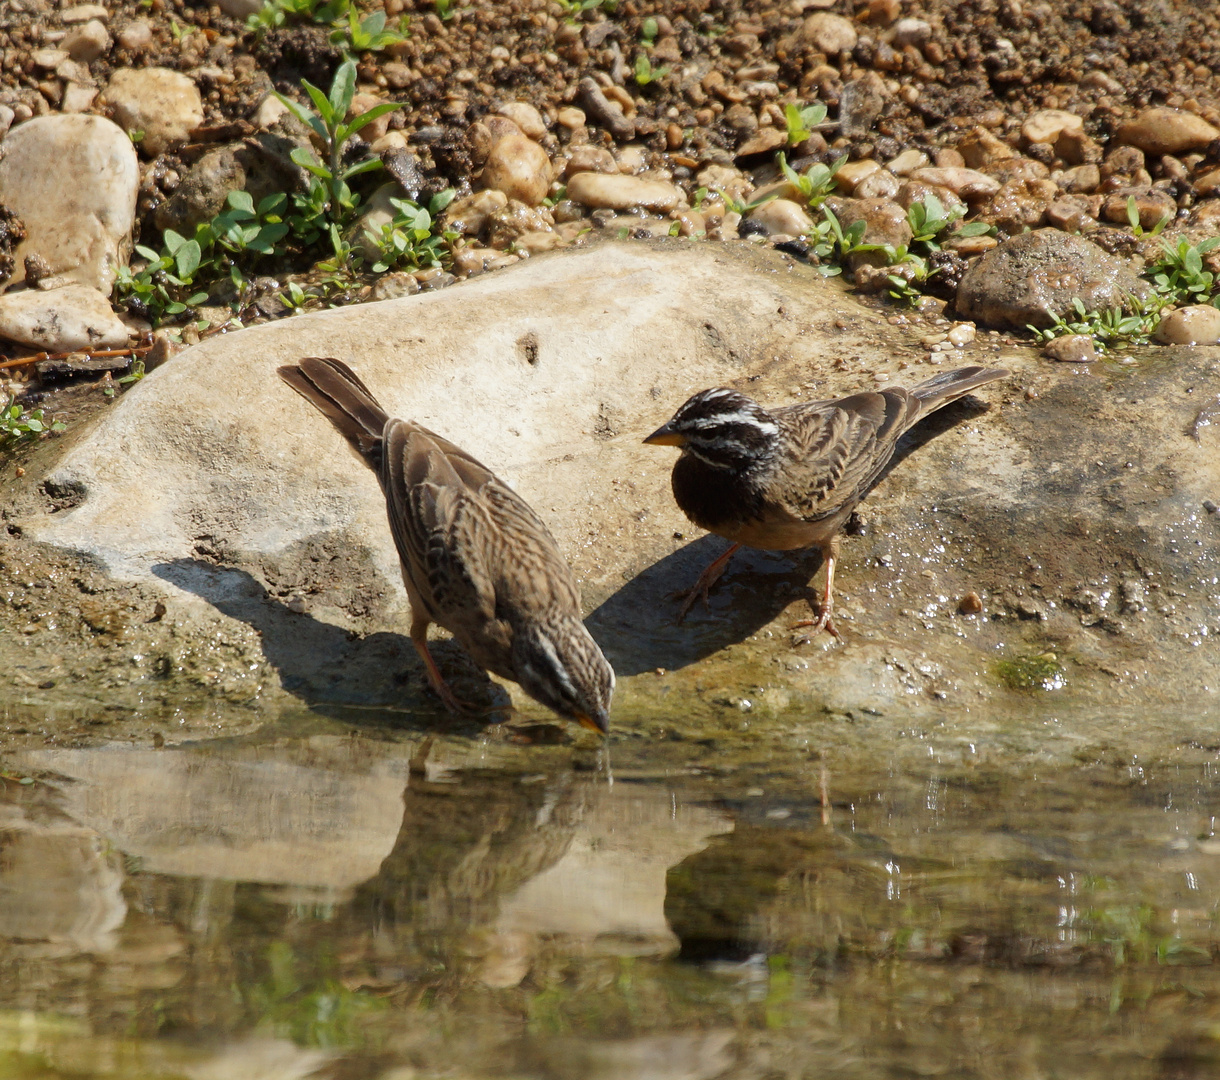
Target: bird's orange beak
[
  {"x": 591, "y": 724},
  {"x": 665, "y": 435}
]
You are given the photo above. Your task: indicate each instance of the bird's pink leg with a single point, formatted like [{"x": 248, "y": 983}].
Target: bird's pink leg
[
  {"x": 709, "y": 577},
  {"x": 829, "y": 553},
  {"x": 419, "y": 638}
]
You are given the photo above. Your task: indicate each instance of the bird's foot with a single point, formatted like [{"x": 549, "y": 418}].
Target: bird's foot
[
  {"x": 822, "y": 622},
  {"x": 709, "y": 577}
]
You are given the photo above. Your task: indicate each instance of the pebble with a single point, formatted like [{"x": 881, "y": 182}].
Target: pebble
[
  {"x": 240, "y": 9},
  {"x": 73, "y": 180},
  {"x": 61, "y": 320},
  {"x": 570, "y": 118},
  {"x": 852, "y": 172},
  {"x": 609, "y": 114},
  {"x": 961, "y": 334},
  {"x": 468, "y": 216},
  {"x": 136, "y": 36},
  {"x": 1031, "y": 277},
  {"x": 83, "y": 13},
  {"x": 831, "y": 34},
  {"x": 1046, "y": 125},
  {"x": 77, "y": 99},
  {"x": 527, "y": 118},
  {"x": 520, "y": 168},
  {"x": 164, "y": 104},
  {"x": 1196, "y": 324},
  {"x": 968, "y": 184},
  {"x": 761, "y": 142},
  {"x": 910, "y": 31},
  {"x": 885, "y": 223},
  {"x": 590, "y": 158},
  {"x": 907, "y": 162},
  {"x": 86, "y": 43},
  {"x": 881, "y": 184},
  {"x": 1071, "y": 349},
  {"x": 1152, "y": 206},
  {"x": 393, "y": 286},
  {"x": 782, "y": 216},
  {"x": 622, "y": 192},
  {"x": 1166, "y": 131}
]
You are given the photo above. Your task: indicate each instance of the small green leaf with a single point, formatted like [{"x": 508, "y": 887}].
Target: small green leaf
[
  {"x": 187, "y": 258},
  {"x": 342, "y": 91},
  {"x": 241, "y": 200}
]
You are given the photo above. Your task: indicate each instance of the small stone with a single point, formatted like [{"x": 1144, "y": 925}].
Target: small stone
[
  {"x": 860, "y": 103},
  {"x": 1208, "y": 185},
  {"x": 1079, "y": 180},
  {"x": 960, "y": 335},
  {"x": 1067, "y": 214},
  {"x": 394, "y": 286},
  {"x": 77, "y": 99},
  {"x": 831, "y": 34},
  {"x": 852, "y": 172},
  {"x": 60, "y": 320},
  {"x": 911, "y": 31},
  {"x": 1166, "y": 131},
  {"x": 609, "y": 114},
  {"x": 83, "y": 13},
  {"x": 622, "y": 192},
  {"x": 907, "y": 162},
  {"x": 570, "y": 118},
  {"x": 885, "y": 223},
  {"x": 589, "y": 158},
  {"x": 1151, "y": 205},
  {"x": 240, "y": 9},
  {"x": 86, "y": 43},
  {"x": 136, "y": 36},
  {"x": 881, "y": 184},
  {"x": 37, "y": 270},
  {"x": 782, "y": 216},
  {"x": 1196, "y": 324},
  {"x": 980, "y": 148},
  {"x": 526, "y": 117},
  {"x": 468, "y": 216},
  {"x": 163, "y": 104},
  {"x": 1047, "y": 125},
  {"x": 970, "y": 604},
  {"x": 49, "y": 59},
  {"x": 761, "y": 142},
  {"x": 969, "y": 184},
  {"x": 1071, "y": 349},
  {"x": 520, "y": 168}
]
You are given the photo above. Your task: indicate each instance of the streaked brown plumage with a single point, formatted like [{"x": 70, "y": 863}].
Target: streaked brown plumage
[
  {"x": 789, "y": 478},
  {"x": 475, "y": 558}
]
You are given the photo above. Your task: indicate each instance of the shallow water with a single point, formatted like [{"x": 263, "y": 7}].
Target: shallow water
[{"x": 356, "y": 900}]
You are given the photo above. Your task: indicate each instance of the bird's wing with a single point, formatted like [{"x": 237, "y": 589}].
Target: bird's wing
[
  {"x": 836, "y": 449},
  {"x": 469, "y": 543}
]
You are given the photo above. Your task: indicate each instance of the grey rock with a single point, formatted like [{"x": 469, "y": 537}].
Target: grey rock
[
  {"x": 72, "y": 317},
  {"x": 1033, "y": 277},
  {"x": 607, "y": 113}
]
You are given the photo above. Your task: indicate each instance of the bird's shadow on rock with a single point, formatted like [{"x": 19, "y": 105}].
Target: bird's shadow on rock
[
  {"x": 374, "y": 680},
  {"x": 637, "y": 626}
]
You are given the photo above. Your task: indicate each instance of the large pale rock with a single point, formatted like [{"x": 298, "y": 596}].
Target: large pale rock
[
  {"x": 57, "y": 320},
  {"x": 163, "y": 104},
  {"x": 211, "y": 488},
  {"x": 73, "y": 181}
]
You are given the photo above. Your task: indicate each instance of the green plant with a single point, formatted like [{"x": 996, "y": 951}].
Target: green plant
[
  {"x": 929, "y": 219},
  {"x": 1107, "y": 328},
  {"x": 277, "y": 12},
  {"x": 1133, "y": 218},
  {"x": 368, "y": 34},
  {"x": 644, "y": 71},
  {"x": 171, "y": 280},
  {"x": 815, "y": 183},
  {"x": 17, "y": 423},
  {"x": 329, "y": 205},
  {"x": 801, "y": 122},
  {"x": 1178, "y": 275},
  {"x": 648, "y": 31},
  {"x": 444, "y": 9},
  {"x": 294, "y": 297},
  {"x": 407, "y": 241},
  {"x": 134, "y": 375}
]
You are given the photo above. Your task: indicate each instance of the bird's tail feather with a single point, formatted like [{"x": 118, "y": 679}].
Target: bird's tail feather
[
  {"x": 950, "y": 385},
  {"x": 335, "y": 391}
]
